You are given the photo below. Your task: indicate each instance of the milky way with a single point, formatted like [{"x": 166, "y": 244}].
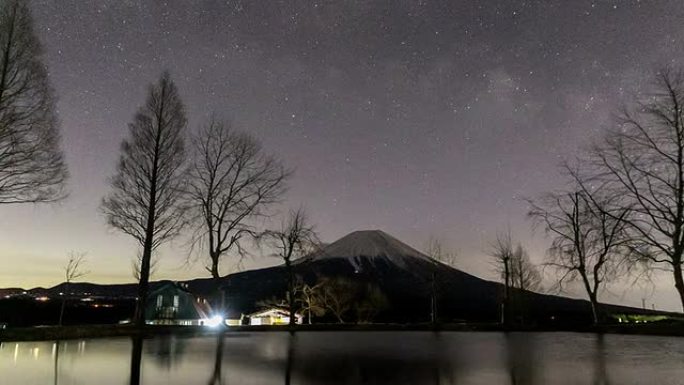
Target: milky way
[{"x": 416, "y": 117}]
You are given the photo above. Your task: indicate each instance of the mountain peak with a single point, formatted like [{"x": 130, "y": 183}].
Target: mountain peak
[{"x": 369, "y": 244}]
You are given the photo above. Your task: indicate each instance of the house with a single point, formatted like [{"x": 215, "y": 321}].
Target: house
[
  {"x": 172, "y": 304},
  {"x": 272, "y": 316}
]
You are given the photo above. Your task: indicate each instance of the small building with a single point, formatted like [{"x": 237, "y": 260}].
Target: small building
[
  {"x": 273, "y": 316},
  {"x": 172, "y": 304}
]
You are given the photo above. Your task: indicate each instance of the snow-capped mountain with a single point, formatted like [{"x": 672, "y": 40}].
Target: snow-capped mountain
[{"x": 369, "y": 247}]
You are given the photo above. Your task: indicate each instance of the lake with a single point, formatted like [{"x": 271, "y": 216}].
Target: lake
[{"x": 318, "y": 358}]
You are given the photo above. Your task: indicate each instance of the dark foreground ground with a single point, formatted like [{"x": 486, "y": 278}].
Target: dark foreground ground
[{"x": 97, "y": 331}]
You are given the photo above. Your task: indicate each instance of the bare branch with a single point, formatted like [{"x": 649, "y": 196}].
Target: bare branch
[
  {"x": 32, "y": 167},
  {"x": 295, "y": 239},
  {"x": 435, "y": 249},
  {"x": 72, "y": 270},
  {"x": 642, "y": 161},
  {"x": 232, "y": 182},
  {"x": 589, "y": 238}
]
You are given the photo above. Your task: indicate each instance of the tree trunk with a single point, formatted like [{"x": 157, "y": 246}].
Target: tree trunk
[
  {"x": 595, "y": 308},
  {"x": 679, "y": 281},
  {"x": 143, "y": 285},
  {"x": 215, "y": 266},
  {"x": 593, "y": 296},
  {"x": 64, "y": 299},
  {"x": 433, "y": 304},
  {"x": 290, "y": 291},
  {"x": 506, "y": 301}
]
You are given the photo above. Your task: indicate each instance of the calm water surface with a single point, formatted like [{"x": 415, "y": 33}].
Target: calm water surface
[{"x": 322, "y": 358}]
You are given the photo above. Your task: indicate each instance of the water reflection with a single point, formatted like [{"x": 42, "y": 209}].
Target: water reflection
[
  {"x": 520, "y": 349},
  {"x": 55, "y": 353},
  {"x": 167, "y": 351},
  {"x": 318, "y": 358},
  {"x": 216, "y": 376},
  {"x": 600, "y": 364},
  {"x": 370, "y": 363},
  {"x": 136, "y": 359},
  {"x": 290, "y": 358}
]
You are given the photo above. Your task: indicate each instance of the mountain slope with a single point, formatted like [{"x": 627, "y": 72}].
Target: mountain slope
[{"x": 405, "y": 276}]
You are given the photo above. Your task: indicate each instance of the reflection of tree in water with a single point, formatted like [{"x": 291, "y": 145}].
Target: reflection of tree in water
[
  {"x": 289, "y": 360},
  {"x": 59, "y": 376},
  {"x": 445, "y": 363},
  {"x": 56, "y": 364},
  {"x": 600, "y": 366},
  {"x": 136, "y": 358},
  {"x": 166, "y": 351},
  {"x": 520, "y": 358},
  {"x": 216, "y": 375},
  {"x": 332, "y": 367}
]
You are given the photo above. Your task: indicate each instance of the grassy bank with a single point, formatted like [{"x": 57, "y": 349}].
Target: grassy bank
[{"x": 100, "y": 331}]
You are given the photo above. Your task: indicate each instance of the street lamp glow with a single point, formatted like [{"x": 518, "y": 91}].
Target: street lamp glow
[{"x": 214, "y": 321}]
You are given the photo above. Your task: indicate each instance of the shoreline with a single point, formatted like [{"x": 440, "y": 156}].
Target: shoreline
[{"x": 48, "y": 333}]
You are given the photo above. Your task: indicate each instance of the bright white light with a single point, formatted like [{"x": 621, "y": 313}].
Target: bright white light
[{"x": 214, "y": 321}]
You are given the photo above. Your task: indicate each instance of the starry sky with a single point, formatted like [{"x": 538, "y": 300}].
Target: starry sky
[{"x": 422, "y": 118}]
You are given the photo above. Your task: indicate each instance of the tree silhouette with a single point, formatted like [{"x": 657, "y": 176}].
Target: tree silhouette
[
  {"x": 588, "y": 239},
  {"x": 145, "y": 201},
  {"x": 502, "y": 250},
  {"x": 295, "y": 238},
  {"x": 72, "y": 271},
  {"x": 232, "y": 181},
  {"x": 641, "y": 160},
  {"x": 524, "y": 274}
]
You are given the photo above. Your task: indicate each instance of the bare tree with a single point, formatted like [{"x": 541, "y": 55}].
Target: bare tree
[
  {"x": 502, "y": 252},
  {"x": 295, "y": 239},
  {"x": 642, "y": 160},
  {"x": 275, "y": 302},
  {"x": 524, "y": 274},
  {"x": 373, "y": 301},
  {"x": 72, "y": 271},
  {"x": 232, "y": 182},
  {"x": 339, "y": 296},
  {"x": 145, "y": 201},
  {"x": 436, "y": 250},
  {"x": 588, "y": 239},
  {"x": 32, "y": 167},
  {"x": 310, "y": 298}
]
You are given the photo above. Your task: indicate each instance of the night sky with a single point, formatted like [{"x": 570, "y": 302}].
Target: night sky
[{"x": 416, "y": 117}]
